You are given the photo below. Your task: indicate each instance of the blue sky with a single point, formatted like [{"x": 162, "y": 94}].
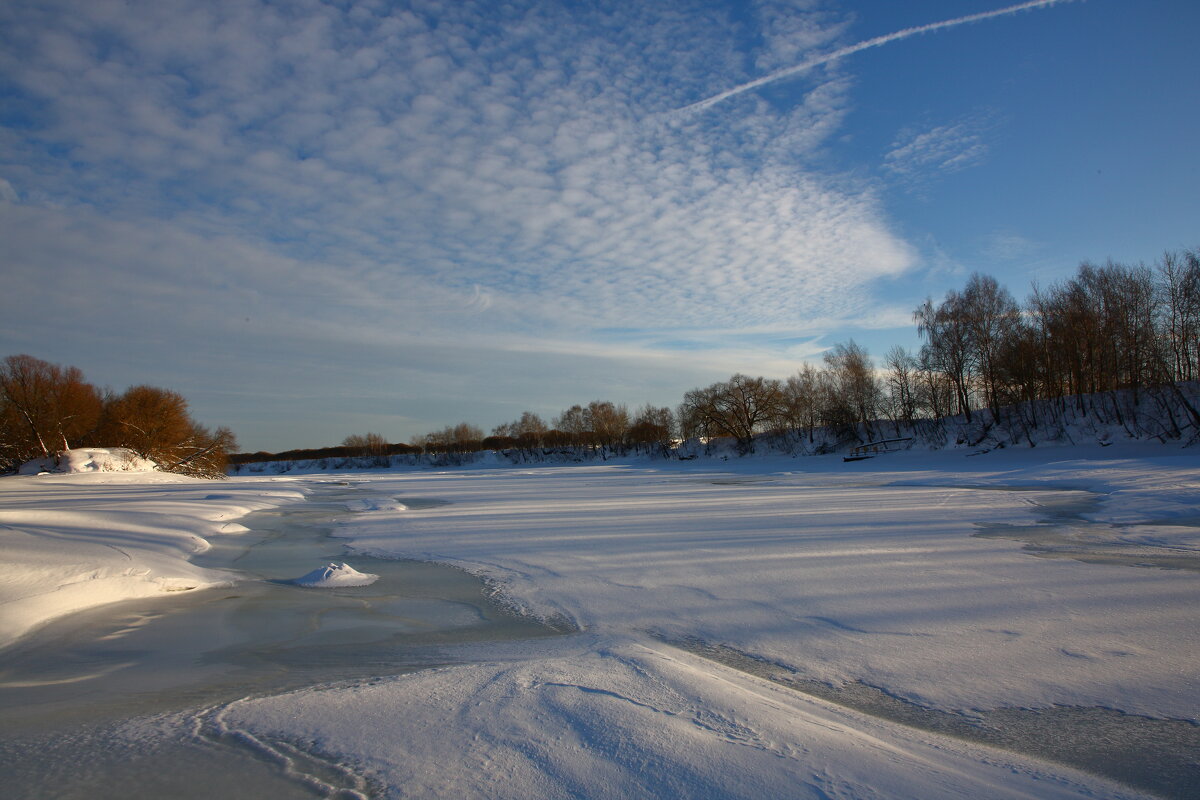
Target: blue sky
[{"x": 323, "y": 218}]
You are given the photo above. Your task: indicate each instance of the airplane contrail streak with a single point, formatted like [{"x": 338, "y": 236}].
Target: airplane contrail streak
[{"x": 782, "y": 74}]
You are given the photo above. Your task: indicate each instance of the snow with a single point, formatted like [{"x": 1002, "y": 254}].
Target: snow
[
  {"x": 865, "y": 571},
  {"x": 75, "y": 541},
  {"x": 90, "y": 459},
  {"x": 838, "y": 572},
  {"x": 614, "y": 717},
  {"x": 334, "y": 575}
]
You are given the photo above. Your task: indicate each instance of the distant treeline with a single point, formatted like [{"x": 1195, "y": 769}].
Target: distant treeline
[
  {"x": 310, "y": 454},
  {"x": 46, "y": 408},
  {"x": 985, "y": 359}
]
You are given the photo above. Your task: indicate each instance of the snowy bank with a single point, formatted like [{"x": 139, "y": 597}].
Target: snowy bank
[
  {"x": 89, "y": 459},
  {"x": 75, "y": 541}
]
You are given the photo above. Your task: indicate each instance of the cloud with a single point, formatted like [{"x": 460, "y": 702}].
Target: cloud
[
  {"x": 461, "y": 184},
  {"x": 916, "y": 156},
  {"x": 1009, "y": 246},
  {"x": 514, "y": 152},
  {"x": 878, "y": 41}
]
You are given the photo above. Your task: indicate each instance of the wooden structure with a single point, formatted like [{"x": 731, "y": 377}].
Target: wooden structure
[{"x": 872, "y": 449}]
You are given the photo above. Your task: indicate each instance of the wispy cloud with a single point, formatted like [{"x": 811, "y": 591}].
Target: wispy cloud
[
  {"x": 816, "y": 61},
  {"x": 7, "y": 193},
  {"x": 918, "y": 155},
  {"x": 1008, "y": 246}
]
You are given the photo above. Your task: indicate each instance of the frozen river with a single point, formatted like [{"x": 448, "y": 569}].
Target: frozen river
[
  {"x": 68, "y": 690},
  {"x": 906, "y": 628}
]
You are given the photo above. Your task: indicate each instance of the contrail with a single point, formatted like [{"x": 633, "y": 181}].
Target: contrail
[{"x": 854, "y": 48}]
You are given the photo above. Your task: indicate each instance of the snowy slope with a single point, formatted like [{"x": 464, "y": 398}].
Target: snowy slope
[
  {"x": 79, "y": 540},
  {"x": 611, "y": 717}
]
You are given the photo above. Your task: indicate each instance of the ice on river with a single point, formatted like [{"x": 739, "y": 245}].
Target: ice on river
[{"x": 74, "y": 541}]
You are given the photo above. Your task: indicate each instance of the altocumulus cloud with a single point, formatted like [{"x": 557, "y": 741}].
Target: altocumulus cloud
[{"x": 495, "y": 170}]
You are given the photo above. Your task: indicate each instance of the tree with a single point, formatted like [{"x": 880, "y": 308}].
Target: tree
[
  {"x": 43, "y": 408},
  {"x": 934, "y": 395},
  {"x": 528, "y": 431},
  {"x": 947, "y": 345},
  {"x": 209, "y": 454},
  {"x": 574, "y": 423},
  {"x": 461, "y": 438},
  {"x": 607, "y": 423},
  {"x": 740, "y": 407},
  {"x": 652, "y": 427},
  {"x": 149, "y": 421},
  {"x": 156, "y": 424},
  {"x": 367, "y": 444},
  {"x": 989, "y": 314},
  {"x": 1179, "y": 304},
  {"x": 855, "y": 392},
  {"x": 901, "y": 383},
  {"x": 801, "y": 401}
]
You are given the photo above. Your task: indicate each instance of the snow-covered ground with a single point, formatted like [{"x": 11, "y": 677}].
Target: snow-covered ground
[
  {"x": 73, "y": 541},
  {"x": 865, "y": 571}
]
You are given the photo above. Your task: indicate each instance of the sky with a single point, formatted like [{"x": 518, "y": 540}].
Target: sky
[{"x": 315, "y": 219}]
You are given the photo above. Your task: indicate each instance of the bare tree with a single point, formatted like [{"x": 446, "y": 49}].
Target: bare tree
[
  {"x": 528, "y": 431},
  {"x": 901, "y": 383},
  {"x": 990, "y": 314},
  {"x": 209, "y": 453},
  {"x": 461, "y": 438},
  {"x": 43, "y": 407},
  {"x": 1179, "y": 304},
  {"x": 856, "y": 393},
  {"x": 802, "y": 400},
  {"x": 652, "y": 426},
  {"x": 607, "y": 422},
  {"x": 740, "y": 407},
  {"x": 934, "y": 394},
  {"x": 574, "y": 423},
  {"x": 947, "y": 345},
  {"x": 156, "y": 424},
  {"x": 367, "y": 444}
]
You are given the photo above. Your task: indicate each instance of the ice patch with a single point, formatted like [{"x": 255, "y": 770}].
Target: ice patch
[
  {"x": 335, "y": 575},
  {"x": 374, "y": 504}
]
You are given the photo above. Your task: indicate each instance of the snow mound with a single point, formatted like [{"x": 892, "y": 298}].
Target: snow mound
[
  {"x": 90, "y": 459},
  {"x": 375, "y": 504},
  {"x": 335, "y": 575}
]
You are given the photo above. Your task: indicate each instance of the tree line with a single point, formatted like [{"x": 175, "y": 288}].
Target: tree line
[
  {"x": 46, "y": 408},
  {"x": 600, "y": 424},
  {"x": 1114, "y": 341},
  {"x": 984, "y": 358},
  {"x": 1108, "y": 329}
]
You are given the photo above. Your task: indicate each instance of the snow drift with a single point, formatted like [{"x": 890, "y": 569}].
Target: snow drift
[
  {"x": 89, "y": 459},
  {"x": 334, "y": 575},
  {"x": 73, "y": 541}
]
